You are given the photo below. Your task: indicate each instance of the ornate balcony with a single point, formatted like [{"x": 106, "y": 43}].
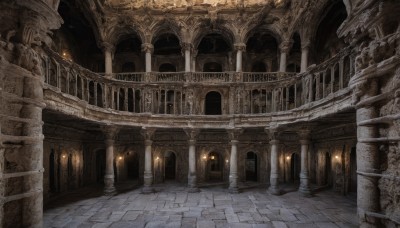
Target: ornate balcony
[{"x": 185, "y": 93}]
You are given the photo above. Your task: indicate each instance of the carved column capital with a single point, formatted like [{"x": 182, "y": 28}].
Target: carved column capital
[
  {"x": 147, "y": 133},
  {"x": 192, "y": 133},
  {"x": 240, "y": 47},
  {"x": 110, "y": 132},
  {"x": 273, "y": 135},
  {"x": 234, "y": 134},
  {"x": 305, "y": 45},
  {"x": 305, "y": 136},
  {"x": 285, "y": 46},
  {"x": 187, "y": 46},
  {"x": 147, "y": 48},
  {"x": 108, "y": 47}
]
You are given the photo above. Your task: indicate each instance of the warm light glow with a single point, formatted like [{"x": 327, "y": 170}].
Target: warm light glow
[
  {"x": 227, "y": 161},
  {"x": 288, "y": 157},
  {"x": 64, "y": 54},
  {"x": 337, "y": 157},
  {"x": 204, "y": 157},
  {"x": 212, "y": 157},
  {"x": 120, "y": 157},
  {"x": 157, "y": 158}
]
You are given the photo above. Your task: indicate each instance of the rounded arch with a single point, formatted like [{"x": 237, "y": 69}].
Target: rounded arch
[
  {"x": 166, "y": 43},
  {"x": 163, "y": 27},
  {"x": 213, "y": 103},
  {"x": 273, "y": 31},
  {"x": 226, "y": 34},
  {"x": 215, "y": 166},
  {"x": 116, "y": 34}
]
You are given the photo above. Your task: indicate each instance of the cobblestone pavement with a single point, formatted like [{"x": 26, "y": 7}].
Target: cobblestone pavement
[{"x": 172, "y": 206}]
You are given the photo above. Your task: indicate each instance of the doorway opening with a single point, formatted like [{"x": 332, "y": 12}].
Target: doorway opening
[
  {"x": 52, "y": 171},
  {"x": 251, "y": 166},
  {"x": 353, "y": 170},
  {"x": 100, "y": 166},
  {"x": 328, "y": 169},
  {"x": 132, "y": 163},
  {"x": 214, "y": 167},
  {"x": 170, "y": 166},
  {"x": 295, "y": 168},
  {"x": 213, "y": 103}
]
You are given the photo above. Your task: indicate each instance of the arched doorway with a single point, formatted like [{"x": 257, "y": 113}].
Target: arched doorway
[
  {"x": 213, "y": 103},
  {"x": 328, "y": 169},
  {"x": 170, "y": 166},
  {"x": 100, "y": 166},
  {"x": 295, "y": 168},
  {"x": 214, "y": 167},
  {"x": 132, "y": 164},
  {"x": 353, "y": 171},
  {"x": 251, "y": 166}
]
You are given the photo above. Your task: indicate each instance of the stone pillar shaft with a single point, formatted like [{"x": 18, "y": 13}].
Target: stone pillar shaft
[
  {"x": 192, "y": 176},
  {"x": 108, "y": 62},
  {"x": 187, "y": 60},
  {"x": 367, "y": 161},
  {"x": 239, "y": 61},
  {"x": 282, "y": 64},
  {"x": 304, "y": 178},
  {"x": 274, "y": 179},
  {"x": 233, "y": 187},
  {"x": 304, "y": 59},
  {"x": 148, "y": 62},
  {"x": 109, "y": 172},
  {"x": 148, "y": 176}
]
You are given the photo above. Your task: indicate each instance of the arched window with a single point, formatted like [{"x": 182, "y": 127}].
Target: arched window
[{"x": 213, "y": 103}]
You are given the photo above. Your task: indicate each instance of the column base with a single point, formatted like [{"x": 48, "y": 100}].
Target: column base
[
  {"x": 109, "y": 191},
  {"x": 234, "y": 190},
  {"x": 193, "y": 189},
  {"x": 275, "y": 191},
  {"x": 147, "y": 190},
  {"x": 306, "y": 192}
]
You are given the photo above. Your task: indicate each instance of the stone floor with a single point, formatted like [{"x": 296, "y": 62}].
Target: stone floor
[{"x": 172, "y": 206}]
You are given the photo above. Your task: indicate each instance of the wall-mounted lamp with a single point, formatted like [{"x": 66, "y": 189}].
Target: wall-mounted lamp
[
  {"x": 64, "y": 156},
  {"x": 227, "y": 161},
  {"x": 337, "y": 157},
  {"x": 288, "y": 158},
  {"x": 204, "y": 157},
  {"x": 157, "y": 158},
  {"x": 212, "y": 157},
  {"x": 120, "y": 157}
]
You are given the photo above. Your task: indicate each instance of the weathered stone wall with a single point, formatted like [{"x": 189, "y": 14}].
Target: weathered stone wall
[{"x": 389, "y": 184}]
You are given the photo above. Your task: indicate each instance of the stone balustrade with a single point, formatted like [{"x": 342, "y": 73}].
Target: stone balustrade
[{"x": 184, "y": 93}]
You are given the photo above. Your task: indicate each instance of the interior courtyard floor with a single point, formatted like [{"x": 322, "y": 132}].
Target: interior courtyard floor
[{"x": 172, "y": 206}]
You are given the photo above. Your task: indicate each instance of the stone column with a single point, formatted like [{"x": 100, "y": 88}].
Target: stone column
[
  {"x": 148, "y": 48},
  {"x": 108, "y": 52},
  {"x": 284, "y": 48},
  {"x": 186, "y": 47},
  {"x": 147, "y": 134},
  {"x": 274, "y": 178},
  {"x": 192, "y": 176},
  {"x": 194, "y": 54},
  {"x": 304, "y": 57},
  {"x": 367, "y": 154},
  {"x": 304, "y": 178},
  {"x": 233, "y": 136},
  {"x": 240, "y": 48},
  {"x": 110, "y": 132}
]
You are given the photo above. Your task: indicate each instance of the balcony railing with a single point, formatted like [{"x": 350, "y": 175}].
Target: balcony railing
[{"x": 179, "y": 93}]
